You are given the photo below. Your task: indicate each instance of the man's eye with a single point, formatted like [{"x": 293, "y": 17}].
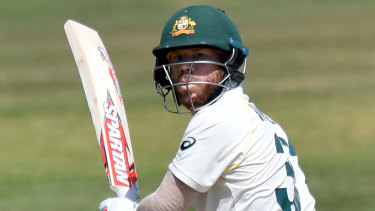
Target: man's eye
[
  {"x": 176, "y": 58},
  {"x": 198, "y": 56}
]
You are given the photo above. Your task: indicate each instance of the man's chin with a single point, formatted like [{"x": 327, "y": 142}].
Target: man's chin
[{"x": 187, "y": 103}]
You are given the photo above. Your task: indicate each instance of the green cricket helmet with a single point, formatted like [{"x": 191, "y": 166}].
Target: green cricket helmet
[{"x": 199, "y": 26}]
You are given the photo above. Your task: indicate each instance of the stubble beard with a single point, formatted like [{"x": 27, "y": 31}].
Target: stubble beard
[{"x": 194, "y": 96}]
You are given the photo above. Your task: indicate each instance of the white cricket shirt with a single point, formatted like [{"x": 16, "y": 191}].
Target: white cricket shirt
[{"x": 239, "y": 159}]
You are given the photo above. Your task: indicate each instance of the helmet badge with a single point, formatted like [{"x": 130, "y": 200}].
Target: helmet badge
[{"x": 183, "y": 26}]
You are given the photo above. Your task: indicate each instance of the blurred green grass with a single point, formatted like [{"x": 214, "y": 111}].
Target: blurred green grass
[{"x": 311, "y": 68}]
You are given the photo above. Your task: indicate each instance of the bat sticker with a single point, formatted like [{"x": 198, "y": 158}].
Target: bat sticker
[{"x": 117, "y": 145}]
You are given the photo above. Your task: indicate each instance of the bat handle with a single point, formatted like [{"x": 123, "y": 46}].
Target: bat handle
[{"x": 130, "y": 193}]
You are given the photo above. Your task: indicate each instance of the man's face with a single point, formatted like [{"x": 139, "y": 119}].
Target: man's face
[{"x": 204, "y": 72}]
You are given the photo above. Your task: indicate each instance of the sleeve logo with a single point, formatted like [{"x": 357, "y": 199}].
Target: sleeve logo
[{"x": 187, "y": 143}]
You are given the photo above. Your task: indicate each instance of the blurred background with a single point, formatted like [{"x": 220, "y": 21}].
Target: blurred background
[{"x": 311, "y": 68}]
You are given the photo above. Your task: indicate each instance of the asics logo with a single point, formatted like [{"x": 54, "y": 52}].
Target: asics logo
[{"x": 189, "y": 142}]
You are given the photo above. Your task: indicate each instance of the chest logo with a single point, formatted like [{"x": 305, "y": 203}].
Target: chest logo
[
  {"x": 183, "y": 26},
  {"x": 187, "y": 143}
]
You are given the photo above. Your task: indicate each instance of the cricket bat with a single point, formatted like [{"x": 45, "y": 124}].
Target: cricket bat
[{"x": 105, "y": 103}]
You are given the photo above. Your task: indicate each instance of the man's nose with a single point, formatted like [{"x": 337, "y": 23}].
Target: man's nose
[{"x": 186, "y": 67}]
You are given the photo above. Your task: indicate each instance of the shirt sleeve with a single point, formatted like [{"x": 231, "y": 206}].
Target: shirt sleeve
[
  {"x": 209, "y": 146},
  {"x": 171, "y": 195}
]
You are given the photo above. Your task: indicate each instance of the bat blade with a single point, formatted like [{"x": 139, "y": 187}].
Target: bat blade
[{"x": 106, "y": 106}]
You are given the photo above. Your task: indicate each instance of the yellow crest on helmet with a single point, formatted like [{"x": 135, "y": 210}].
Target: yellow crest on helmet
[{"x": 184, "y": 25}]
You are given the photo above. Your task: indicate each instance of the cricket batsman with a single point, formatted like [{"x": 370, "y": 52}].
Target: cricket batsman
[{"x": 231, "y": 155}]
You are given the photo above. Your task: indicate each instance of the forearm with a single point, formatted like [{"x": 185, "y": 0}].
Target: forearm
[{"x": 172, "y": 195}]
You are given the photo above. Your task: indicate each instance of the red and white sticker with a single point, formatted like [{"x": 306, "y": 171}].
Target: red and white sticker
[{"x": 123, "y": 172}]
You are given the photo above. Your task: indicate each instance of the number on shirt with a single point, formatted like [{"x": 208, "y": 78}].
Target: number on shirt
[{"x": 287, "y": 198}]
